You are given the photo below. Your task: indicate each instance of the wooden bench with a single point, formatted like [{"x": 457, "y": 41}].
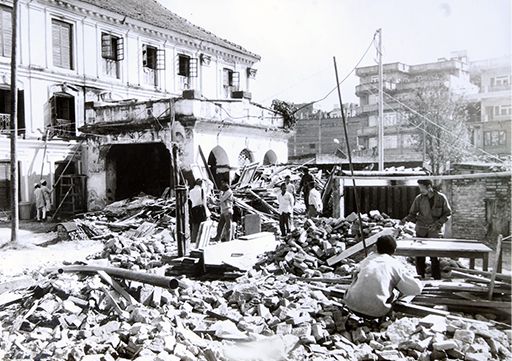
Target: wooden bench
[{"x": 445, "y": 247}]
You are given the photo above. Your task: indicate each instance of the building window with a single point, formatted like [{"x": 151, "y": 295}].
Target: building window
[
  {"x": 153, "y": 59},
  {"x": 184, "y": 65},
  {"x": 5, "y": 110},
  {"x": 495, "y": 137},
  {"x": 500, "y": 80},
  {"x": 230, "y": 82},
  {"x": 112, "y": 52},
  {"x": 62, "y": 115},
  {"x": 312, "y": 146},
  {"x": 5, "y": 31},
  {"x": 62, "y": 35}
]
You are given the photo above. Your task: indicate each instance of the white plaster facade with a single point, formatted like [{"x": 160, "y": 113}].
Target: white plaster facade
[{"x": 215, "y": 67}]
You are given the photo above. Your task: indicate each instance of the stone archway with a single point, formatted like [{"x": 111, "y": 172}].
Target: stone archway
[
  {"x": 218, "y": 161},
  {"x": 245, "y": 157},
  {"x": 269, "y": 158}
]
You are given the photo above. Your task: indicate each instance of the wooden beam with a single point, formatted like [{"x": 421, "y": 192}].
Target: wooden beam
[
  {"x": 500, "y": 276},
  {"x": 495, "y": 268},
  {"x": 431, "y": 177},
  {"x": 370, "y": 241}
]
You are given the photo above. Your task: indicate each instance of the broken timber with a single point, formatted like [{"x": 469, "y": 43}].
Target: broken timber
[{"x": 358, "y": 247}]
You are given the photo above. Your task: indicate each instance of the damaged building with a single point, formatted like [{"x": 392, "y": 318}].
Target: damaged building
[{"x": 109, "y": 87}]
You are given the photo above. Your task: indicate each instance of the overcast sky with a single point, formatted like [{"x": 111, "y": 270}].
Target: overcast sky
[{"x": 298, "y": 38}]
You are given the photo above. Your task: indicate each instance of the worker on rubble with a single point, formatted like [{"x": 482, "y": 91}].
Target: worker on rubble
[
  {"x": 46, "y": 195},
  {"x": 289, "y": 185},
  {"x": 226, "y": 212},
  {"x": 198, "y": 209},
  {"x": 315, "y": 206},
  {"x": 285, "y": 201},
  {"x": 377, "y": 281},
  {"x": 305, "y": 184},
  {"x": 40, "y": 206},
  {"x": 430, "y": 211}
]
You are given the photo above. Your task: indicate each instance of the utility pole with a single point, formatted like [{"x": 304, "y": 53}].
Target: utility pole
[
  {"x": 381, "y": 105},
  {"x": 14, "y": 126}
]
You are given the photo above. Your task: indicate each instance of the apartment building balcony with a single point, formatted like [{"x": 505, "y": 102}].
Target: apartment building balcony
[
  {"x": 374, "y": 108},
  {"x": 369, "y": 88},
  {"x": 137, "y": 115},
  {"x": 374, "y": 69},
  {"x": 126, "y": 115},
  {"x": 445, "y": 65},
  {"x": 240, "y": 112}
]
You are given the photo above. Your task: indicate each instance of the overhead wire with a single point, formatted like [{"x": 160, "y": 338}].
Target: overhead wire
[
  {"x": 450, "y": 144},
  {"x": 441, "y": 127},
  {"x": 342, "y": 80}
]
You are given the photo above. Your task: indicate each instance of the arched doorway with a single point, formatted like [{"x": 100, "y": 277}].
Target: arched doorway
[
  {"x": 135, "y": 168},
  {"x": 270, "y": 158},
  {"x": 245, "y": 157},
  {"x": 218, "y": 162}
]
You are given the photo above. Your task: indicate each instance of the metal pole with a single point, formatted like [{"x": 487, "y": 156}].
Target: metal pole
[
  {"x": 14, "y": 126},
  {"x": 356, "y": 194},
  {"x": 381, "y": 105}
]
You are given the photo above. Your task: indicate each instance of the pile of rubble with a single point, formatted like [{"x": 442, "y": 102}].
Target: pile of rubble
[
  {"x": 306, "y": 250},
  {"x": 260, "y": 317}
]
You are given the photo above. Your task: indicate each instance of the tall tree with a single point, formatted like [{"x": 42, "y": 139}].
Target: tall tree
[{"x": 441, "y": 118}]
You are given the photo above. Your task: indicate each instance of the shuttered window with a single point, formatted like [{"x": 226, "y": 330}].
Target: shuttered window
[
  {"x": 62, "y": 44},
  {"x": 5, "y": 31}
]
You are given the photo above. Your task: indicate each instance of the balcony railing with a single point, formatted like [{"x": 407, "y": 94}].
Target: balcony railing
[
  {"x": 5, "y": 121},
  {"x": 63, "y": 128}
]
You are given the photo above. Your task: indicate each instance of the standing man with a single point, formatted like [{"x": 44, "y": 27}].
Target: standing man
[
  {"x": 305, "y": 184},
  {"x": 198, "y": 209},
  {"x": 226, "y": 212},
  {"x": 430, "y": 211},
  {"x": 40, "y": 206},
  {"x": 46, "y": 195},
  {"x": 371, "y": 293},
  {"x": 316, "y": 206},
  {"x": 285, "y": 200},
  {"x": 289, "y": 185}
]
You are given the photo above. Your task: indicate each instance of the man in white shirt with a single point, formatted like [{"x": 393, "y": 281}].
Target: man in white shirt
[
  {"x": 285, "y": 200},
  {"x": 315, "y": 206},
  {"x": 289, "y": 185},
  {"x": 372, "y": 291},
  {"x": 226, "y": 213},
  {"x": 198, "y": 209}
]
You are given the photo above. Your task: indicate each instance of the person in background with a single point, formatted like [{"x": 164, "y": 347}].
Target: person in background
[
  {"x": 198, "y": 209},
  {"x": 371, "y": 293},
  {"x": 226, "y": 212},
  {"x": 305, "y": 184},
  {"x": 316, "y": 206},
  {"x": 46, "y": 195},
  {"x": 40, "y": 205},
  {"x": 285, "y": 201},
  {"x": 289, "y": 185},
  {"x": 430, "y": 211}
]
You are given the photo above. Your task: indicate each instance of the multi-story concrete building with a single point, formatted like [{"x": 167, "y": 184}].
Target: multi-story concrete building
[
  {"x": 491, "y": 130},
  {"x": 115, "y": 74},
  {"x": 401, "y": 81}
]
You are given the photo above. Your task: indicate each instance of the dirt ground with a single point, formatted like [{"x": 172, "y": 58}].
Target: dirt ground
[{"x": 30, "y": 252}]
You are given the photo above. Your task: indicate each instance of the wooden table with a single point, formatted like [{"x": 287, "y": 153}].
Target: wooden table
[{"x": 445, "y": 247}]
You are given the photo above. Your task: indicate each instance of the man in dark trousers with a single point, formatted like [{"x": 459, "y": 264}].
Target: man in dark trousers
[
  {"x": 430, "y": 211},
  {"x": 305, "y": 185}
]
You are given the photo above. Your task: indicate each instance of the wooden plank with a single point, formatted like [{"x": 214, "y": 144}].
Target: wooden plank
[
  {"x": 116, "y": 286},
  {"x": 375, "y": 175},
  {"x": 370, "y": 241},
  {"x": 423, "y": 299},
  {"x": 442, "y": 240},
  {"x": 500, "y": 276},
  {"x": 495, "y": 268}
]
